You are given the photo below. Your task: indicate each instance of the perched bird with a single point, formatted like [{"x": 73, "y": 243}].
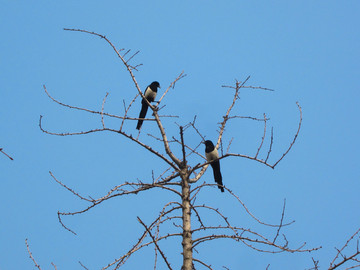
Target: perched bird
[
  {"x": 150, "y": 94},
  {"x": 211, "y": 154}
]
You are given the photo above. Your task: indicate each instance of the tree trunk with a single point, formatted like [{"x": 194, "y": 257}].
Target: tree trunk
[{"x": 186, "y": 217}]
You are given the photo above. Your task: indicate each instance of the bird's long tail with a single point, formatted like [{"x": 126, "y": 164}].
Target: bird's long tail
[
  {"x": 142, "y": 114},
  {"x": 217, "y": 174}
]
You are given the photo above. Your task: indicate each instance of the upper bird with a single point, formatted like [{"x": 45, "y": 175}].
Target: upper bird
[
  {"x": 150, "y": 94},
  {"x": 211, "y": 154}
]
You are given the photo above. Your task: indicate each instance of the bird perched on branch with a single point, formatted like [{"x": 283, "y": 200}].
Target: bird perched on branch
[
  {"x": 212, "y": 155},
  {"x": 150, "y": 94}
]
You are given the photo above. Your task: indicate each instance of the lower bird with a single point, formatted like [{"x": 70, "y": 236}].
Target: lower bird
[
  {"x": 212, "y": 156},
  {"x": 150, "y": 94}
]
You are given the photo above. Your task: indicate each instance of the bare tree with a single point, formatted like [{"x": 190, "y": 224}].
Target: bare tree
[{"x": 182, "y": 178}]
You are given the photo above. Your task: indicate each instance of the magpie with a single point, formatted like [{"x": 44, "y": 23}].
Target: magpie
[
  {"x": 211, "y": 154},
  {"x": 150, "y": 94}
]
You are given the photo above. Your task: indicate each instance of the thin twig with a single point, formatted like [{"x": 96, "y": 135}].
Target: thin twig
[
  {"x": 155, "y": 242},
  {"x": 102, "y": 110},
  {"x": 271, "y": 143},
  {"x": 263, "y": 137},
  {"x": 296, "y": 135},
  {"x": 83, "y": 266},
  {"x": 2, "y": 151},
  {"x": 281, "y": 222},
  {"x": 31, "y": 256}
]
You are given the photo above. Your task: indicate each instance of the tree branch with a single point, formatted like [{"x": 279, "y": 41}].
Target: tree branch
[{"x": 31, "y": 256}]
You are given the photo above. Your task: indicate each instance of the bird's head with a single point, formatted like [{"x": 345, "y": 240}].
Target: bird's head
[
  {"x": 154, "y": 85},
  {"x": 209, "y": 146},
  {"x": 209, "y": 143}
]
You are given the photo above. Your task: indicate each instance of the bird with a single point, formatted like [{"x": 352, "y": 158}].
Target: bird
[
  {"x": 211, "y": 155},
  {"x": 150, "y": 94}
]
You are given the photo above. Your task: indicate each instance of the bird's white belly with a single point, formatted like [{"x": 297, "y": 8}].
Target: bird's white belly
[
  {"x": 150, "y": 94},
  {"x": 212, "y": 155}
]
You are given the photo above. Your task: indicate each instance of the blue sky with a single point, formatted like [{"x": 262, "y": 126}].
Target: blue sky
[{"x": 308, "y": 51}]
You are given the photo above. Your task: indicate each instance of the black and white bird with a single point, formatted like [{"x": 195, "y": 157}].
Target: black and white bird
[
  {"x": 150, "y": 94},
  {"x": 211, "y": 154}
]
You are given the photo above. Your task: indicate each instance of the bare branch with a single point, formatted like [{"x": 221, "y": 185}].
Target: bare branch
[
  {"x": 155, "y": 242},
  {"x": 226, "y": 117},
  {"x": 248, "y": 117},
  {"x": 251, "y": 87},
  {"x": 112, "y": 130},
  {"x": 69, "y": 189},
  {"x": 271, "y": 143},
  {"x": 263, "y": 137},
  {"x": 165, "y": 141},
  {"x": 243, "y": 205},
  {"x": 204, "y": 264},
  {"x": 138, "y": 245},
  {"x": 292, "y": 143},
  {"x": 183, "y": 146},
  {"x": 59, "y": 214},
  {"x": 31, "y": 256},
  {"x": 197, "y": 131},
  {"x": 281, "y": 222},
  {"x": 172, "y": 85},
  {"x": 2, "y": 151},
  {"x": 345, "y": 259},
  {"x": 83, "y": 266},
  {"x": 228, "y": 148},
  {"x": 127, "y": 110},
  {"x": 54, "y": 266},
  {"x": 102, "y": 110},
  {"x": 128, "y": 67}
]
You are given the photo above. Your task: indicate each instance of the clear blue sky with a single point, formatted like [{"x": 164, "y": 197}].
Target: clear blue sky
[{"x": 308, "y": 51}]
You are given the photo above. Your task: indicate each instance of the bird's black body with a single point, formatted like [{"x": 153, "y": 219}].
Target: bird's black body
[
  {"x": 211, "y": 154},
  {"x": 150, "y": 94}
]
